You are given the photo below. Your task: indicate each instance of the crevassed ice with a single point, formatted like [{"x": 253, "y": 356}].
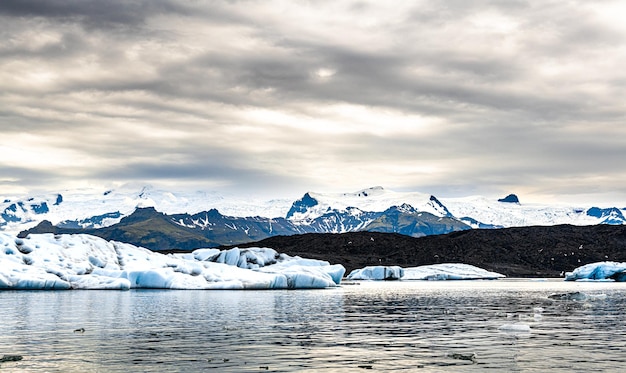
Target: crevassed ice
[
  {"x": 600, "y": 271},
  {"x": 59, "y": 262}
]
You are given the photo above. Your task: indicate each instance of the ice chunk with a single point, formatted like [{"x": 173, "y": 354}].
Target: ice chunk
[
  {"x": 575, "y": 296},
  {"x": 88, "y": 262},
  {"x": 300, "y": 276},
  {"x": 470, "y": 356},
  {"x": 377, "y": 273},
  {"x": 515, "y": 328},
  {"x": 598, "y": 271},
  {"x": 449, "y": 271},
  {"x": 446, "y": 271},
  {"x": 230, "y": 257}
]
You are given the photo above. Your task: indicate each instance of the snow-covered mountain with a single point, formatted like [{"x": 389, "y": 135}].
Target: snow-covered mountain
[
  {"x": 313, "y": 205},
  {"x": 314, "y": 212},
  {"x": 94, "y": 208},
  {"x": 476, "y": 211}
]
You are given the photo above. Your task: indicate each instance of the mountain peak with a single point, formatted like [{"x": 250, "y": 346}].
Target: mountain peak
[
  {"x": 439, "y": 207},
  {"x": 302, "y": 205},
  {"x": 511, "y": 198},
  {"x": 142, "y": 213},
  {"x": 404, "y": 208}
]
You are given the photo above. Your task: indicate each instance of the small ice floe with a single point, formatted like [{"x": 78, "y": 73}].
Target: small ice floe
[
  {"x": 597, "y": 296},
  {"x": 530, "y": 318},
  {"x": 524, "y": 317},
  {"x": 577, "y": 296},
  {"x": 573, "y": 296},
  {"x": 515, "y": 328},
  {"x": 469, "y": 356},
  {"x": 6, "y": 358}
]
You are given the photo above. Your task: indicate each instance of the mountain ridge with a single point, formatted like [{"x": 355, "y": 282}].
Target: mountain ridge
[
  {"x": 316, "y": 212},
  {"x": 155, "y": 230}
]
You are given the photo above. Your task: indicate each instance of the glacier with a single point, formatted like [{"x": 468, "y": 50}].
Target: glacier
[
  {"x": 97, "y": 207},
  {"x": 476, "y": 211},
  {"x": 443, "y": 271},
  {"x": 63, "y": 262},
  {"x": 598, "y": 271}
]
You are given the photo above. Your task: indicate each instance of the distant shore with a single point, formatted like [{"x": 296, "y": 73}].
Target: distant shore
[{"x": 540, "y": 251}]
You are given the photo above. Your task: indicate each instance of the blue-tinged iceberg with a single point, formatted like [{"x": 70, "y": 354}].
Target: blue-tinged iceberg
[
  {"x": 377, "y": 273},
  {"x": 59, "y": 262},
  {"x": 446, "y": 271},
  {"x": 598, "y": 271}
]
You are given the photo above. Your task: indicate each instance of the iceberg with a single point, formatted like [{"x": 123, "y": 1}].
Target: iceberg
[
  {"x": 598, "y": 271},
  {"x": 449, "y": 271},
  {"x": 63, "y": 262},
  {"x": 377, "y": 273},
  {"x": 445, "y": 271}
]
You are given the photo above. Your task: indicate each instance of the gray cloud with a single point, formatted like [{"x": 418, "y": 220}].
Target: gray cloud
[{"x": 456, "y": 97}]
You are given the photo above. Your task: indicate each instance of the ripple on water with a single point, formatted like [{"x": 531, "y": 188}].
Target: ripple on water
[{"x": 502, "y": 325}]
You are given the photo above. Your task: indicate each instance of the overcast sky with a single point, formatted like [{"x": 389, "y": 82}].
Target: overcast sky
[{"x": 452, "y": 98}]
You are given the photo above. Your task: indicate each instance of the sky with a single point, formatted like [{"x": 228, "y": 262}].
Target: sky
[{"x": 276, "y": 98}]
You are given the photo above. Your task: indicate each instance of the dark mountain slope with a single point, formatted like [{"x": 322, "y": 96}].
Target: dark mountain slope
[
  {"x": 526, "y": 251},
  {"x": 157, "y": 231},
  {"x": 145, "y": 227}
]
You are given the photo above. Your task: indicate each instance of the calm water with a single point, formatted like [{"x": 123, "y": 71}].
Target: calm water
[{"x": 383, "y": 326}]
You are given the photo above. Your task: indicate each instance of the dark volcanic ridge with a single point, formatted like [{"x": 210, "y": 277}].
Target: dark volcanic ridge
[{"x": 538, "y": 251}]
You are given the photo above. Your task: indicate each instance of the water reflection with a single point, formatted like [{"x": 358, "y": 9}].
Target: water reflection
[{"x": 422, "y": 326}]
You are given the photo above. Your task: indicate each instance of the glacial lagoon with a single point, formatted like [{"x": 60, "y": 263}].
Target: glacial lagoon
[{"x": 411, "y": 326}]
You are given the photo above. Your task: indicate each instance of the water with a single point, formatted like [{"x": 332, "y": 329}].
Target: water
[{"x": 383, "y": 326}]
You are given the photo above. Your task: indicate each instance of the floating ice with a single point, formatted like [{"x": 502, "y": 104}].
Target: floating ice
[
  {"x": 377, "y": 273},
  {"x": 446, "y": 271},
  {"x": 470, "y": 356},
  {"x": 575, "y": 296},
  {"x": 598, "y": 271},
  {"x": 449, "y": 271},
  {"x": 55, "y": 262},
  {"x": 515, "y": 328}
]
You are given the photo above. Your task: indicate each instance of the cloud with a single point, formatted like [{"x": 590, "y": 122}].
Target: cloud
[{"x": 459, "y": 97}]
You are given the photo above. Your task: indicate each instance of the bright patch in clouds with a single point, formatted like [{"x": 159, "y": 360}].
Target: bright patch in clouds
[{"x": 324, "y": 73}]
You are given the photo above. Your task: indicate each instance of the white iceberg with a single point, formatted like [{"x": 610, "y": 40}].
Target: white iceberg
[
  {"x": 377, "y": 273},
  {"x": 449, "y": 271},
  {"x": 446, "y": 271},
  {"x": 598, "y": 271},
  {"x": 56, "y": 262}
]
